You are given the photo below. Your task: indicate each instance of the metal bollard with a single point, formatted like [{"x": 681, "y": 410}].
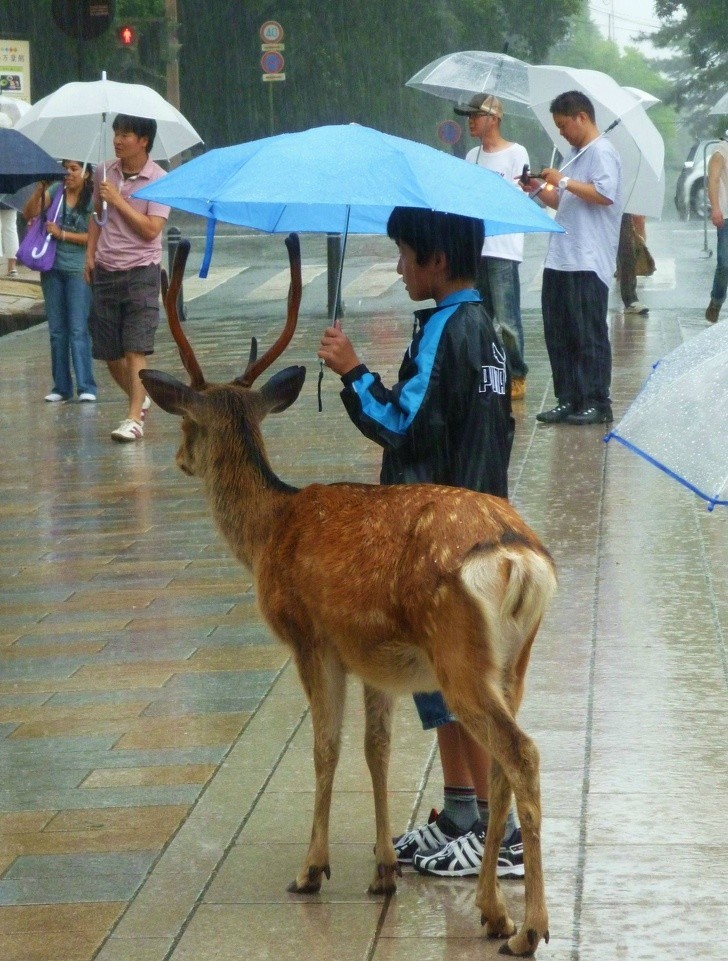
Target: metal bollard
[
  {"x": 174, "y": 235},
  {"x": 333, "y": 260}
]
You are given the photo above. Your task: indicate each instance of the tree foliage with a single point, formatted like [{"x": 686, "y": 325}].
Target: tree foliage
[
  {"x": 343, "y": 61},
  {"x": 695, "y": 33},
  {"x": 586, "y": 48}
]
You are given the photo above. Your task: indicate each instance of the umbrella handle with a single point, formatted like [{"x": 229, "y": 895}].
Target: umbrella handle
[
  {"x": 38, "y": 252},
  {"x": 100, "y": 221},
  {"x": 104, "y": 215}
]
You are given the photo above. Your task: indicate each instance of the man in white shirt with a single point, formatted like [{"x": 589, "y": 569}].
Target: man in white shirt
[
  {"x": 498, "y": 280},
  {"x": 580, "y": 264}
]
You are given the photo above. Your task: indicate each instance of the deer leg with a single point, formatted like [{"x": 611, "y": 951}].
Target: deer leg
[
  {"x": 488, "y": 892},
  {"x": 517, "y": 757},
  {"x": 324, "y": 682},
  {"x": 377, "y": 739}
]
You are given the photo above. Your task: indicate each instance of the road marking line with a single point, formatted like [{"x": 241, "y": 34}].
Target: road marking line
[
  {"x": 196, "y": 286},
  {"x": 664, "y": 277},
  {"x": 373, "y": 282},
  {"x": 276, "y": 288}
]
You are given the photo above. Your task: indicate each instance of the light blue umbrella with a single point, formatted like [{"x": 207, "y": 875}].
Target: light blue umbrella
[{"x": 339, "y": 179}]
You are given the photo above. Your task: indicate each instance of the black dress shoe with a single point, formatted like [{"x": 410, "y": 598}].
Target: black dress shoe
[
  {"x": 592, "y": 415},
  {"x": 556, "y": 415}
]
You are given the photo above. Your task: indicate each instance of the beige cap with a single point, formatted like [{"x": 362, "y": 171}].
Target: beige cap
[{"x": 487, "y": 104}]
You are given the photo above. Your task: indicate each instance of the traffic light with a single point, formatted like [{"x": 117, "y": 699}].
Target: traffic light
[{"x": 126, "y": 35}]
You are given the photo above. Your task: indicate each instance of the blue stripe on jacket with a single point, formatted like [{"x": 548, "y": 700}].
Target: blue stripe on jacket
[{"x": 398, "y": 417}]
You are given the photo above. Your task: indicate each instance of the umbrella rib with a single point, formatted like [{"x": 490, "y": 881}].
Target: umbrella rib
[{"x": 712, "y": 501}]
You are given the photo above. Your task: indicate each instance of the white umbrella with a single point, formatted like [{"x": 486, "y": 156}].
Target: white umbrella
[
  {"x": 529, "y": 90},
  {"x": 721, "y": 106},
  {"x": 638, "y": 141},
  {"x": 641, "y": 96},
  {"x": 676, "y": 422},
  {"x": 13, "y": 107},
  {"x": 75, "y": 121}
]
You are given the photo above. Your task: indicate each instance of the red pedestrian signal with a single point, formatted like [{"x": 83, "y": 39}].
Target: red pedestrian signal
[{"x": 126, "y": 35}]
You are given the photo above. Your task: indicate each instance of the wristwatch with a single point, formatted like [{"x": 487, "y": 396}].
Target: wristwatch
[{"x": 563, "y": 182}]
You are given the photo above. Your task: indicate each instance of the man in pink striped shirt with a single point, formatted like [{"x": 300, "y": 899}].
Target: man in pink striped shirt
[{"x": 123, "y": 265}]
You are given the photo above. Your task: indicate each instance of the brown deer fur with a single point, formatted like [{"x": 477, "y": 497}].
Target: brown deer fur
[{"x": 411, "y": 588}]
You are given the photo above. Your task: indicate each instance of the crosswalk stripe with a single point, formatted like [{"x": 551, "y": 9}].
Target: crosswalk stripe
[
  {"x": 194, "y": 286},
  {"x": 664, "y": 277},
  {"x": 372, "y": 282},
  {"x": 276, "y": 287}
]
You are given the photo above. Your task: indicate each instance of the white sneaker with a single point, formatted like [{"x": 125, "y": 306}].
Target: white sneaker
[
  {"x": 128, "y": 430},
  {"x": 87, "y": 398},
  {"x": 54, "y": 398},
  {"x": 145, "y": 406},
  {"x": 636, "y": 308}
]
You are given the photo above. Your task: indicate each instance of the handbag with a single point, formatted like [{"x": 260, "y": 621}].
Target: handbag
[
  {"x": 37, "y": 249},
  {"x": 644, "y": 262}
]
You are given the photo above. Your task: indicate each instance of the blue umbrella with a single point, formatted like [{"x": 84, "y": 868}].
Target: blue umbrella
[
  {"x": 22, "y": 162},
  {"x": 339, "y": 179}
]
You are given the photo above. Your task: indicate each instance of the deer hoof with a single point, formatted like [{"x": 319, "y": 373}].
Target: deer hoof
[
  {"x": 502, "y": 927},
  {"x": 523, "y": 945},
  {"x": 312, "y": 883},
  {"x": 384, "y": 882}
]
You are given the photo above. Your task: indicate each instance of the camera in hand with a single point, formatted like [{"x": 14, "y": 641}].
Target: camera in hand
[{"x": 525, "y": 175}]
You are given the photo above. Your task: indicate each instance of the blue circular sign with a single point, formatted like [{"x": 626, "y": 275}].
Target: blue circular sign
[
  {"x": 272, "y": 62},
  {"x": 449, "y": 131}
]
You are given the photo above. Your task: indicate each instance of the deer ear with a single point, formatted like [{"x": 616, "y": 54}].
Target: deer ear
[
  {"x": 168, "y": 392},
  {"x": 283, "y": 388}
]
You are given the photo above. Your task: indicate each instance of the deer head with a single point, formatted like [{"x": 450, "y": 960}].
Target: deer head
[{"x": 278, "y": 393}]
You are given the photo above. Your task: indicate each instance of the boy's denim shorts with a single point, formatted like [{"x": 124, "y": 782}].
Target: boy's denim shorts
[{"x": 433, "y": 710}]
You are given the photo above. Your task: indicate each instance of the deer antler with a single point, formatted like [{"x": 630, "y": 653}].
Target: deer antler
[
  {"x": 171, "y": 295},
  {"x": 256, "y": 367}
]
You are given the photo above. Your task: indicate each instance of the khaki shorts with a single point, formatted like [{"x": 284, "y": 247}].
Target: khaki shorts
[{"x": 124, "y": 311}]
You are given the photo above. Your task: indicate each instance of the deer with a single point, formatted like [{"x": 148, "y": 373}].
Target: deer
[{"x": 410, "y": 588}]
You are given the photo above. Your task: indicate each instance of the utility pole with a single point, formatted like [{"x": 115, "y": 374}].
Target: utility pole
[{"x": 173, "y": 48}]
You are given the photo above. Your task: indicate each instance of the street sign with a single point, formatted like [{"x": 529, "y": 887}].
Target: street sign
[
  {"x": 273, "y": 46},
  {"x": 15, "y": 68},
  {"x": 272, "y": 62},
  {"x": 449, "y": 131},
  {"x": 271, "y": 32},
  {"x": 273, "y": 76}
]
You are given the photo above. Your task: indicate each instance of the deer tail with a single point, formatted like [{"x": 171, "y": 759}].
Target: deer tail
[
  {"x": 513, "y": 586},
  {"x": 529, "y": 588}
]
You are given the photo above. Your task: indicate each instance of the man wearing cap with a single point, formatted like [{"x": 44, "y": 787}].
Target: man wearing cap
[{"x": 498, "y": 281}]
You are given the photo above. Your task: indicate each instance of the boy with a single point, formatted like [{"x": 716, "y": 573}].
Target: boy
[{"x": 446, "y": 421}]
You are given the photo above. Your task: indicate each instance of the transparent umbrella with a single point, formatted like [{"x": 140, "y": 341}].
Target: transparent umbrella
[
  {"x": 459, "y": 77},
  {"x": 677, "y": 422},
  {"x": 529, "y": 91}
]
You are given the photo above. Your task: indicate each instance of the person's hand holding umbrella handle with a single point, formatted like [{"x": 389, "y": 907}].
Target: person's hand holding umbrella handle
[
  {"x": 336, "y": 351},
  {"x": 37, "y": 200}
]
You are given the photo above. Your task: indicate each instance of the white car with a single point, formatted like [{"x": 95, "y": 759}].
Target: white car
[{"x": 691, "y": 188}]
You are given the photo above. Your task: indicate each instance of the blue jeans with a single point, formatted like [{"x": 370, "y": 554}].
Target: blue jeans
[
  {"x": 720, "y": 278},
  {"x": 432, "y": 709},
  {"x": 499, "y": 285},
  {"x": 67, "y": 302}
]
